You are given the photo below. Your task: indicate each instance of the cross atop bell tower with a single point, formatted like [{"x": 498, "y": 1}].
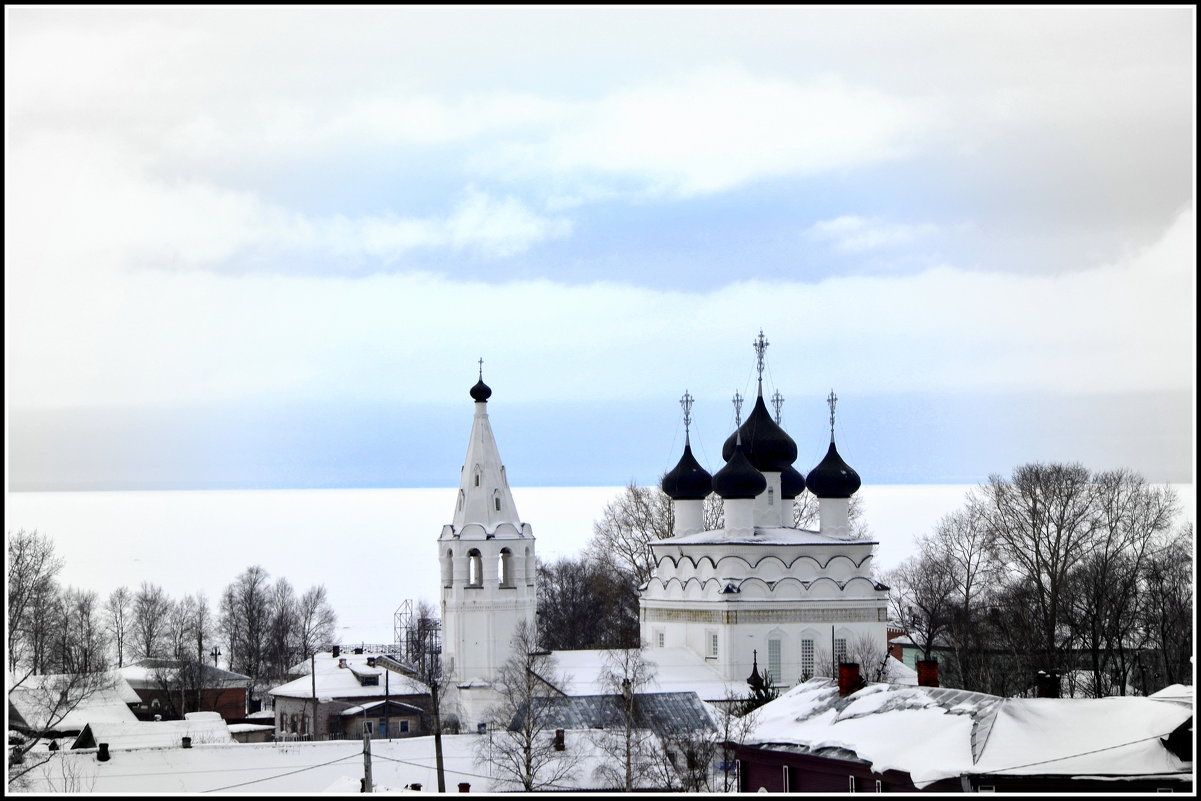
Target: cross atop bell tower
[{"x": 832, "y": 400}]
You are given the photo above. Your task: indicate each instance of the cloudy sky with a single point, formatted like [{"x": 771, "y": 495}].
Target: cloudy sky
[{"x": 266, "y": 247}]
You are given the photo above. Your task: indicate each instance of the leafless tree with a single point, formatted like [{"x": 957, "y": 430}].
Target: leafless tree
[
  {"x": 732, "y": 731},
  {"x": 629, "y": 745},
  {"x": 585, "y": 604},
  {"x": 245, "y": 620},
  {"x": 805, "y": 515},
  {"x": 628, "y": 524},
  {"x": 32, "y": 568},
  {"x": 118, "y": 620},
  {"x": 316, "y": 620},
  {"x": 1166, "y": 611},
  {"x": 151, "y": 611},
  {"x": 1041, "y": 524},
  {"x": 521, "y": 749},
  {"x": 81, "y": 644},
  {"x": 283, "y": 629}
]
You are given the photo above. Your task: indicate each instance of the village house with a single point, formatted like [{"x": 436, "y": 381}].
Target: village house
[
  {"x": 848, "y": 736},
  {"x": 342, "y": 695},
  {"x": 166, "y": 689}
]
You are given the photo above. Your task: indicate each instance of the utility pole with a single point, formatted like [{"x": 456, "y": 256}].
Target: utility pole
[
  {"x": 437, "y": 736},
  {"x": 313, "y": 674},
  {"x": 366, "y": 761}
]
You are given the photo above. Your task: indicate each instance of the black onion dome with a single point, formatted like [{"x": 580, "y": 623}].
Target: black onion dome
[
  {"x": 832, "y": 478},
  {"x": 481, "y": 391},
  {"x": 792, "y": 483},
  {"x": 687, "y": 481},
  {"x": 739, "y": 478},
  {"x": 766, "y": 444}
]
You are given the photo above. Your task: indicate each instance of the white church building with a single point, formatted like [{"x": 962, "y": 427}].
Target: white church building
[{"x": 757, "y": 593}]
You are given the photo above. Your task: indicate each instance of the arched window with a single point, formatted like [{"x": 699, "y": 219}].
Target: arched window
[
  {"x": 771, "y": 494},
  {"x": 773, "y": 659},
  {"x": 496, "y": 500},
  {"x": 506, "y": 568},
  {"x": 475, "y": 568}
]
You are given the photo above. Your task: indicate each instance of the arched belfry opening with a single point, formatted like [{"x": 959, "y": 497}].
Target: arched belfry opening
[
  {"x": 505, "y": 567},
  {"x": 475, "y": 568}
]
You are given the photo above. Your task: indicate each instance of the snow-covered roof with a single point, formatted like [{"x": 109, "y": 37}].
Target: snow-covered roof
[
  {"x": 358, "y": 710},
  {"x": 335, "y": 682},
  {"x": 1179, "y": 693},
  {"x": 326, "y": 662},
  {"x": 154, "y": 734},
  {"x": 763, "y": 535},
  {"x": 676, "y": 670},
  {"x": 245, "y": 728},
  {"x": 144, "y": 674},
  {"x": 934, "y": 733},
  {"x": 37, "y": 695}
]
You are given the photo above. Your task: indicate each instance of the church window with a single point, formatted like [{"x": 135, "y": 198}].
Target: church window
[
  {"x": 771, "y": 494},
  {"x": 477, "y": 479},
  {"x": 475, "y": 568},
  {"x": 806, "y": 660},
  {"x": 712, "y": 645},
  {"x": 773, "y": 659},
  {"x": 840, "y": 650},
  {"x": 506, "y": 568},
  {"x": 660, "y": 639},
  {"x": 496, "y": 501}
]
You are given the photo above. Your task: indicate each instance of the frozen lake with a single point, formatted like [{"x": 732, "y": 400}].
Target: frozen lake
[{"x": 371, "y": 548}]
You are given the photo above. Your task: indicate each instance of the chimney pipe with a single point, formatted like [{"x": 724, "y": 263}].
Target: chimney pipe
[
  {"x": 371, "y": 661},
  {"x": 464, "y": 787},
  {"x": 342, "y": 662},
  {"x": 848, "y": 678},
  {"x": 927, "y": 672},
  {"x": 103, "y": 756},
  {"x": 560, "y": 743},
  {"x": 1046, "y": 684},
  {"x": 187, "y": 742},
  {"x": 337, "y": 651},
  {"x": 358, "y": 650}
]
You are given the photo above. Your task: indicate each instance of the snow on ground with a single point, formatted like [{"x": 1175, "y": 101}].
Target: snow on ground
[{"x": 297, "y": 767}]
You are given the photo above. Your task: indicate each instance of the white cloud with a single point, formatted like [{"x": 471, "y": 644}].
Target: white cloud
[
  {"x": 853, "y": 234},
  {"x": 170, "y": 337}
]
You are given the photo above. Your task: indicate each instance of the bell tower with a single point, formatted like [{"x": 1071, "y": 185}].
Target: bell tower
[{"x": 486, "y": 557}]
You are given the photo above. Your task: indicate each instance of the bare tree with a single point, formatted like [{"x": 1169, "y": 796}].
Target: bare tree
[
  {"x": 1166, "y": 611},
  {"x": 521, "y": 750},
  {"x": 585, "y": 604},
  {"x": 118, "y": 620},
  {"x": 1042, "y": 524},
  {"x": 628, "y": 743},
  {"x": 805, "y": 515},
  {"x": 283, "y": 631},
  {"x": 315, "y": 620},
  {"x": 151, "y": 610},
  {"x": 628, "y": 524},
  {"x": 80, "y": 645},
  {"x": 32, "y": 568},
  {"x": 732, "y": 730},
  {"x": 245, "y": 618}
]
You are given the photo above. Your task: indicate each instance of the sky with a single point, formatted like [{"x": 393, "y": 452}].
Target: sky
[{"x": 266, "y": 247}]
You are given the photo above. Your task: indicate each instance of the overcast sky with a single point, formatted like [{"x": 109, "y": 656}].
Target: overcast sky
[{"x": 266, "y": 247}]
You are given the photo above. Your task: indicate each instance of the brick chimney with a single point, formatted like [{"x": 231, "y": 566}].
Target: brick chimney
[
  {"x": 560, "y": 743},
  {"x": 849, "y": 679},
  {"x": 464, "y": 787},
  {"x": 371, "y": 661},
  {"x": 337, "y": 651},
  {"x": 102, "y": 754},
  {"x": 927, "y": 673},
  {"x": 342, "y": 662},
  {"x": 1046, "y": 684},
  {"x": 187, "y": 742}
]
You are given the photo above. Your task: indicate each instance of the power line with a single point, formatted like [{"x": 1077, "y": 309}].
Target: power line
[
  {"x": 289, "y": 773},
  {"x": 1073, "y": 756}
]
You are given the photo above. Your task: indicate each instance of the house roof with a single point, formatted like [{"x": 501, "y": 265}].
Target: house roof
[
  {"x": 663, "y": 713},
  {"x": 393, "y": 705},
  {"x": 37, "y": 695},
  {"x": 676, "y": 670},
  {"x": 144, "y": 674},
  {"x": 938, "y": 733},
  {"x": 342, "y": 682},
  {"x": 155, "y": 734}
]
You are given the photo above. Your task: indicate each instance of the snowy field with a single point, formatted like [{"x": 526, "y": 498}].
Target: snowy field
[{"x": 371, "y": 548}]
